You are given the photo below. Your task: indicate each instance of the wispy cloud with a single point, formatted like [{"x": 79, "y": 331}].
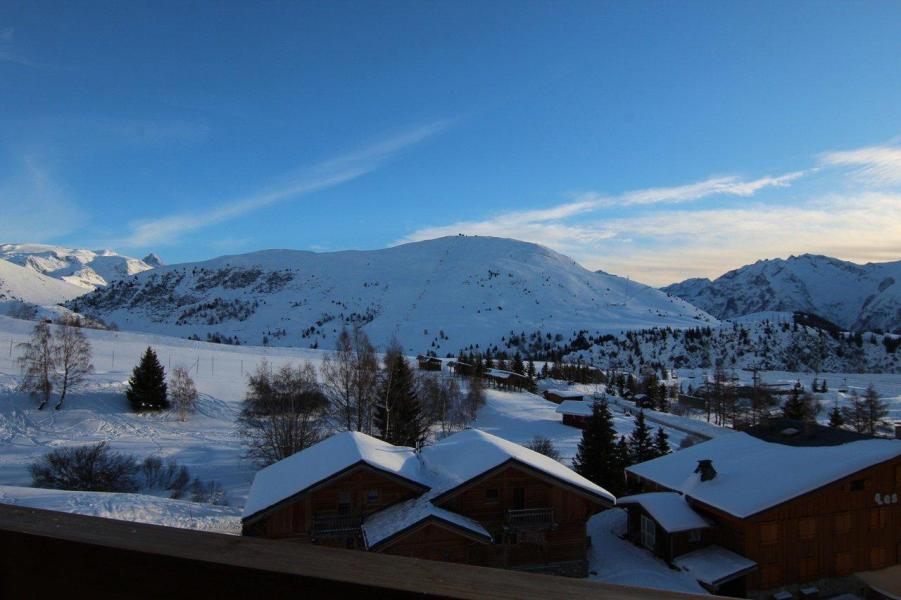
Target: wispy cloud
[
  {"x": 876, "y": 164},
  {"x": 34, "y": 206},
  {"x": 8, "y": 52},
  {"x": 170, "y": 229}
]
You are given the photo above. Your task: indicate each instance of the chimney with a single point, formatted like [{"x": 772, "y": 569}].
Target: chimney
[{"x": 705, "y": 468}]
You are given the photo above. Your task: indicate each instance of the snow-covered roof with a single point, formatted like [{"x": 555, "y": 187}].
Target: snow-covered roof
[
  {"x": 472, "y": 452},
  {"x": 714, "y": 565},
  {"x": 579, "y": 408},
  {"x": 386, "y": 523},
  {"x": 753, "y": 475},
  {"x": 669, "y": 509},
  {"x": 305, "y": 469}
]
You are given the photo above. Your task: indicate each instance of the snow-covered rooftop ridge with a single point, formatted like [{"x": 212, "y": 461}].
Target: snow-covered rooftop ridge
[
  {"x": 714, "y": 565},
  {"x": 563, "y": 393},
  {"x": 580, "y": 408},
  {"x": 317, "y": 463},
  {"x": 472, "y": 452},
  {"x": 669, "y": 509},
  {"x": 754, "y": 475},
  {"x": 382, "y": 525}
]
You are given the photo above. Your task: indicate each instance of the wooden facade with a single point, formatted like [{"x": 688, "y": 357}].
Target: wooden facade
[
  {"x": 428, "y": 363},
  {"x": 580, "y": 421},
  {"x": 331, "y": 513},
  {"x": 849, "y": 525},
  {"x": 558, "y": 396}
]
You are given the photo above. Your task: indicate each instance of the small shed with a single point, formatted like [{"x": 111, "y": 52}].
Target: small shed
[
  {"x": 558, "y": 396},
  {"x": 575, "y": 412}
]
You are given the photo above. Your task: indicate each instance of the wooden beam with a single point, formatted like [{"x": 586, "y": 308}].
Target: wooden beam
[{"x": 45, "y": 553}]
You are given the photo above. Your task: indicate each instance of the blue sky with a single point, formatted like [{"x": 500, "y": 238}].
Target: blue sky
[{"x": 655, "y": 140}]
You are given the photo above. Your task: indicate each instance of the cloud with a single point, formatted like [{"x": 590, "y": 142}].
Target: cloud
[
  {"x": 170, "y": 229},
  {"x": 876, "y": 164},
  {"x": 34, "y": 206}
]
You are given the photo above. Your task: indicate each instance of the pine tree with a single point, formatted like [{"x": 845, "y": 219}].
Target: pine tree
[
  {"x": 596, "y": 456},
  {"x": 661, "y": 442},
  {"x": 836, "y": 418},
  {"x": 641, "y": 444},
  {"x": 399, "y": 417},
  {"x": 147, "y": 385},
  {"x": 794, "y": 406},
  {"x": 517, "y": 366},
  {"x": 530, "y": 369}
]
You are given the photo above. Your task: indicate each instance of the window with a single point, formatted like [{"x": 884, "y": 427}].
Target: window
[
  {"x": 843, "y": 564},
  {"x": 648, "y": 533},
  {"x": 519, "y": 498},
  {"x": 877, "y": 518},
  {"x": 807, "y": 528},
  {"x": 491, "y": 495},
  {"x": 769, "y": 532},
  {"x": 843, "y": 522},
  {"x": 858, "y": 485},
  {"x": 343, "y": 503},
  {"x": 372, "y": 496}
]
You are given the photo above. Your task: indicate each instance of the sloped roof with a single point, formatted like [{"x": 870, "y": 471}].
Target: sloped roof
[
  {"x": 714, "y": 565},
  {"x": 669, "y": 509},
  {"x": 381, "y": 526},
  {"x": 566, "y": 393},
  {"x": 753, "y": 475},
  {"x": 579, "y": 408},
  {"x": 470, "y": 453},
  {"x": 317, "y": 463}
]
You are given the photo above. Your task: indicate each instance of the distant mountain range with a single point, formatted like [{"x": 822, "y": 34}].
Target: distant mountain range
[
  {"x": 87, "y": 269},
  {"x": 440, "y": 295},
  {"x": 857, "y": 297}
]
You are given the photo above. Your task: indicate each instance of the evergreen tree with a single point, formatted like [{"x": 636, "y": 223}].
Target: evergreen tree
[
  {"x": 147, "y": 385},
  {"x": 399, "y": 418},
  {"x": 530, "y": 369},
  {"x": 836, "y": 418},
  {"x": 661, "y": 442},
  {"x": 518, "y": 366},
  {"x": 623, "y": 458},
  {"x": 794, "y": 406},
  {"x": 596, "y": 456},
  {"x": 641, "y": 444}
]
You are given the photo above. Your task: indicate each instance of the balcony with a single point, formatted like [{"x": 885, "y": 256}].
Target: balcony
[
  {"x": 530, "y": 519},
  {"x": 335, "y": 526}
]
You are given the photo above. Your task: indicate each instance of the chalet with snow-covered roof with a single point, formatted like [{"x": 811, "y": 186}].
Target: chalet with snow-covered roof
[
  {"x": 461, "y": 368},
  {"x": 428, "y": 363},
  {"x": 575, "y": 412},
  {"x": 508, "y": 380},
  {"x": 471, "y": 498},
  {"x": 558, "y": 396},
  {"x": 751, "y": 514}
]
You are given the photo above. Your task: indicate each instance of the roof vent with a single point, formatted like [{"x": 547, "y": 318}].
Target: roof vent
[{"x": 705, "y": 468}]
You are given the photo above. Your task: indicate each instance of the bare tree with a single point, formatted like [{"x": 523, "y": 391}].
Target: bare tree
[
  {"x": 545, "y": 446},
  {"x": 72, "y": 355},
  {"x": 183, "y": 392},
  {"x": 38, "y": 364},
  {"x": 350, "y": 379},
  {"x": 283, "y": 411},
  {"x": 475, "y": 398}
]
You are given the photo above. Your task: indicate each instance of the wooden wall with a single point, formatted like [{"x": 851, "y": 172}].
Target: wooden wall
[
  {"x": 435, "y": 542},
  {"x": 571, "y": 511}
]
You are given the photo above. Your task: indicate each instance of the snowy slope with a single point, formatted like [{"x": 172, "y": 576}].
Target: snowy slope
[
  {"x": 859, "y": 297},
  {"x": 439, "y": 295},
  {"x": 26, "y": 285},
  {"x": 88, "y": 269}
]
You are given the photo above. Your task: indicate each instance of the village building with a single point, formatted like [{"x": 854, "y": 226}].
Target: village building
[
  {"x": 470, "y": 498},
  {"x": 749, "y": 514},
  {"x": 508, "y": 380},
  {"x": 428, "y": 363},
  {"x": 575, "y": 412},
  {"x": 558, "y": 396},
  {"x": 461, "y": 368}
]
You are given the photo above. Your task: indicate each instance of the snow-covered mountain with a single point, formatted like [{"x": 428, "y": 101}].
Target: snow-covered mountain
[
  {"x": 859, "y": 297},
  {"x": 26, "y": 285},
  {"x": 438, "y": 295},
  {"x": 87, "y": 269}
]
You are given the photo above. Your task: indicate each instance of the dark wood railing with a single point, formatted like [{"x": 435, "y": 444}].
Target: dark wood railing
[
  {"x": 335, "y": 526},
  {"x": 534, "y": 519},
  {"x": 46, "y": 554}
]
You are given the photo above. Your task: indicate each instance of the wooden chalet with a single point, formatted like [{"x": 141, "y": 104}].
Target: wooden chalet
[
  {"x": 461, "y": 368},
  {"x": 508, "y": 380},
  {"x": 575, "y": 412},
  {"x": 558, "y": 396},
  {"x": 428, "y": 363},
  {"x": 750, "y": 515},
  {"x": 472, "y": 498}
]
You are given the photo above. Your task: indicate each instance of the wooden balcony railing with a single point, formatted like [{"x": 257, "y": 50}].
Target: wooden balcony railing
[
  {"x": 335, "y": 526},
  {"x": 48, "y": 554},
  {"x": 530, "y": 519}
]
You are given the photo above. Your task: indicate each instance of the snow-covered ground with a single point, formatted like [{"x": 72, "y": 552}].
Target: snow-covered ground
[{"x": 129, "y": 507}]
